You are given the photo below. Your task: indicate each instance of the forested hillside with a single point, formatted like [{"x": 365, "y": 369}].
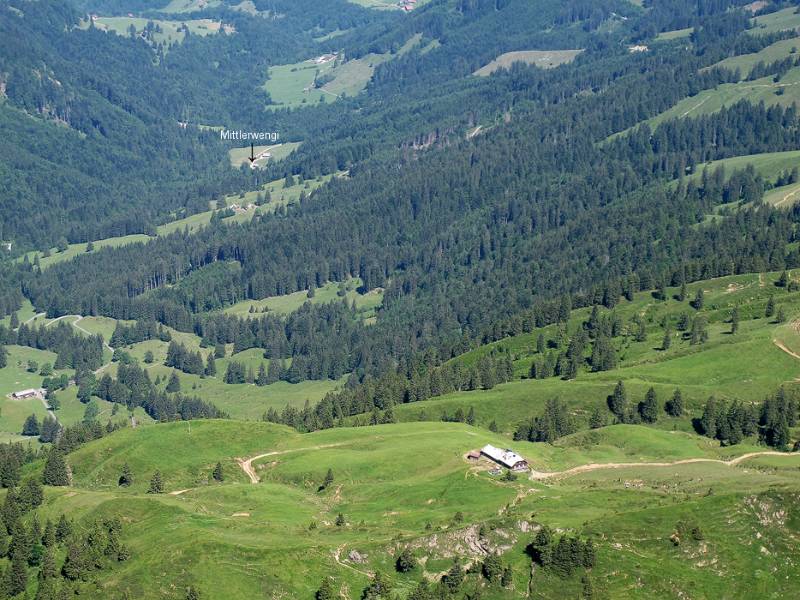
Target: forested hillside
[{"x": 455, "y": 326}]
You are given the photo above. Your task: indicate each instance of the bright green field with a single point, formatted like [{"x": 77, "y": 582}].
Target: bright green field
[
  {"x": 770, "y": 165},
  {"x": 546, "y": 59},
  {"x": 366, "y": 304},
  {"x": 292, "y": 85},
  {"x": 15, "y": 377},
  {"x": 401, "y": 486},
  {"x": 24, "y": 313},
  {"x": 77, "y": 249}
]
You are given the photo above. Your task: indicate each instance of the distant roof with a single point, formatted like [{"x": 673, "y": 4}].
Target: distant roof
[
  {"x": 509, "y": 458},
  {"x": 30, "y": 392}
]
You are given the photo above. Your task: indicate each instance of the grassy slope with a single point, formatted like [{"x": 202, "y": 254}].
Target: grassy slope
[
  {"x": 674, "y": 34},
  {"x": 761, "y": 90},
  {"x": 383, "y": 4},
  {"x": 292, "y": 85},
  {"x": 745, "y": 62},
  {"x": 181, "y": 6},
  {"x": 391, "y": 481},
  {"x": 769, "y": 164},
  {"x": 281, "y": 196},
  {"x": 365, "y": 303},
  {"x": 172, "y": 31},
  {"x": 746, "y": 366},
  {"x": 15, "y": 377},
  {"x": 239, "y": 156},
  {"x": 781, "y": 20},
  {"x": 546, "y": 59}
]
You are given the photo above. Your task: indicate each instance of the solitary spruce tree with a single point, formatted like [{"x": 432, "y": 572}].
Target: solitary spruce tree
[
  {"x": 31, "y": 426},
  {"x": 618, "y": 402},
  {"x": 174, "y": 384},
  {"x": 674, "y": 406},
  {"x": 218, "y": 475},
  {"x": 328, "y": 479},
  {"x": 156, "y": 484},
  {"x": 55, "y": 469},
  {"x": 648, "y": 409}
]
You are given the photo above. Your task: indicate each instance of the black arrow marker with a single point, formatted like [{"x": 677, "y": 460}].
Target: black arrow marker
[{"x": 252, "y": 156}]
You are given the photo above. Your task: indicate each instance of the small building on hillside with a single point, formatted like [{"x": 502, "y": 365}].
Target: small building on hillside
[
  {"x": 473, "y": 455},
  {"x": 25, "y": 394},
  {"x": 506, "y": 458}
]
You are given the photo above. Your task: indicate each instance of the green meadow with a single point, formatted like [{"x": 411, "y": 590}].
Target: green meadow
[
  {"x": 385, "y": 4},
  {"x": 185, "y": 6},
  {"x": 366, "y": 304},
  {"x": 295, "y": 85},
  {"x": 769, "y": 164},
  {"x": 545, "y": 59},
  {"x": 240, "y": 156},
  {"x": 170, "y": 32},
  {"x": 781, "y": 20},
  {"x": 745, "y": 62},
  {"x": 675, "y": 34},
  {"x": 409, "y": 486}
]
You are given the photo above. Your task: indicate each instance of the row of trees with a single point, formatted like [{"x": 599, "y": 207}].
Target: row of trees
[
  {"x": 732, "y": 422},
  {"x": 74, "y": 350},
  {"x": 381, "y": 394}
]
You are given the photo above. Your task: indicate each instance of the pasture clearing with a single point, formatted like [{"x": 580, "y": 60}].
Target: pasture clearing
[
  {"x": 781, "y": 20},
  {"x": 163, "y": 32},
  {"x": 769, "y": 164},
  {"x": 413, "y": 478},
  {"x": 25, "y": 313},
  {"x": 774, "y": 52},
  {"x": 675, "y": 34},
  {"x": 744, "y": 366},
  {"x": 193, "y": 222},
  {"x": 366, "y": 304},
  {"x": 74, "y": 250},
  {"x": 186, "y": 6},
  {"x": 783, "y": 93},
  {"x": 325, "y": 78},
  {"x": 784, "y": 196},
  {"x": 274, "y": 152},
  {"x": 387, "y": 4},
  {"x": 544, "y": 59}
]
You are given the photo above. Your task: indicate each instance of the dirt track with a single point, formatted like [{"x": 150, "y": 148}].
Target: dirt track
[
  {"x": 537, "y": 475},
  {"x": 247, "y": 464},
  {"x": 785, "y": 349}
]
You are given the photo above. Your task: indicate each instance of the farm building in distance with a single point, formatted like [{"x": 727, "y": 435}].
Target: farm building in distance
[
  {"x": 506, "y": 458},
  {"x": 25, "y": 394}
]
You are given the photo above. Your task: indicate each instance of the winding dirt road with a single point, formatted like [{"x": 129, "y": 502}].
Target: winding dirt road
[
  {"x": 247, "y": 464},
  {"x": 538, "y": 475}
]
